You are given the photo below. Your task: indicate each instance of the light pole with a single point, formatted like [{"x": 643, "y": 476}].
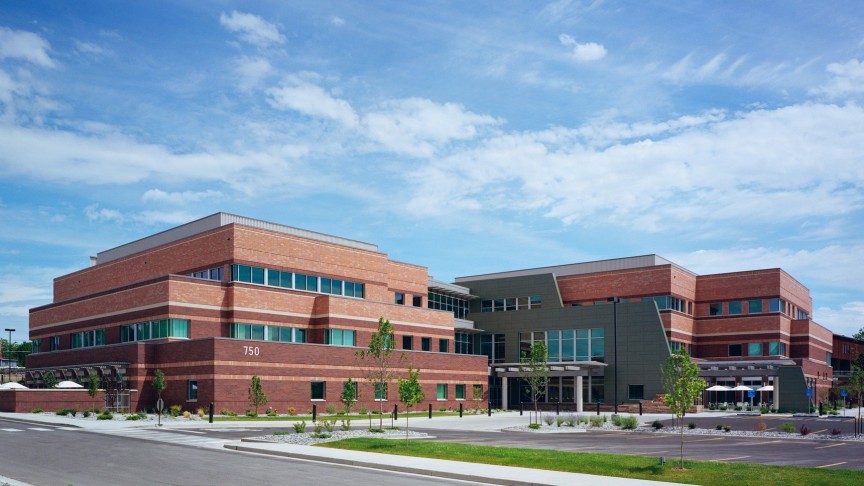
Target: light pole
[
  {"x": 9, "y": 358},
  {"x": 615, "y": 301}
]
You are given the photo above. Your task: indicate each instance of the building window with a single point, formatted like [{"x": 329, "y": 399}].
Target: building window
[
  {"x": 777, "y": 348},
  {"x": 163, "y": 328},
  {"x": 417, "y": 300},
  {"x": 339, "y": 337},
  {"x": 477, "y": 392},
  {"x": 399, "y": 298},
  {"x": 87, "y": 339},
  {"x": 754, "y": 306},
  {"x": 191, "y": 390},
  {"x": 677, "y": 347},
  {"x": 715, "y": 309},
  {"x": 464, "y": 343},
  {"x": 380, "y": 392},
  {"x": 828, "y": 357},
  {"x": 460, "y": 392},
  {"x": 459, "y": 307},
  {"x": 635, "y": 392},
  {"x": 261, "y": 332},
  {"x": 297, "y": 281},
  {"x": 801, "y": 315},
  {"x": 36, "y": 345},
  {"x": 54, "y": 343},
  {"x": 511, "y": 304},
  {"x": 492, "y": 345},
  {"x": 754, "y": 349},
  {"x": 536, "y": 302},
  {"x": 318, "y": 390},
  {"x": 735, "y": 307},
  {"x": 426, "y": 344},
  {"x": 209, "y": 274},
  {"x": 442, "y": 391},
  {"x": 407, "y": 342},
  {"x": 734, "y": 350},
  {"x": 776, "y": 305},
  {"x": 443, "y": 345}
]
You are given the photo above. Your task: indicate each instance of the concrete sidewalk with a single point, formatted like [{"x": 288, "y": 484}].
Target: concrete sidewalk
[{"x": 465, "y": 471}]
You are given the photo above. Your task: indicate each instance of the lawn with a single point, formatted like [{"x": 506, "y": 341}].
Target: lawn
[{"x": 637, "y": 467}]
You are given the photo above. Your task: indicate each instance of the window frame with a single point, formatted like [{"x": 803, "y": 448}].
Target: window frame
[
  {"x": 191, "y": 390},
  {"x": 323, "y": 389}
]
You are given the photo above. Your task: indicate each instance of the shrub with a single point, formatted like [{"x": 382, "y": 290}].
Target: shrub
[
  {"x": 763, "y": 410},
  {"x": 300, "y": 426},
  {"x": 836, "y": 431},
  {"x": 393, "y": 427},
  {"x": 629, "y": 422},
  {"x": 251, "y": 413},
  {"x": 142, "y": 414},
  {"x": 281, "y": 432},
  {"x": 330, "y": 409},
  {"x": 200, "y": 412},
  {"x": 727, "y": 428},
  {"x": 570, "y": 421},
  {"x": 272, "y": 413},
  {"x": 616, "y": 420},
  {"x": 376, "y": 412},
  {"x": 363, "y": 410},
  {"x": 549, "y": 419},
  {"x": 787, "y": 427},
  {"x": 719, "y": 427},
  {"x": 66, "y": 411},
  {"x": 559, "y": 421},
  {"x": 804, "y": 430},
  {"x": 106, "y": 415},
  {"x": 321, "y": 436},
  {"x": 738, "y": 408},
  {"x": 712, "y": 406},
  {"x": 596, "y": 420},
  {"x": 581, "y": 419},
  {"x": 37, "y": 410},
  {"x": 330, "y": 425},
  {"x": 133, "y": 417},
  {"x": 657, "y": 425},
  {"x": 319, "y": 428},
  {"x": 442, "y": 409},
  {"x": 175, "y": 410},
  {"x": 340, "y": 413},
  {"x": 534, "y": 426},
  {"x": 346, "y": 425},
  {"x": 723, "y": 407},
  {"x": 691, "y": 425},
  {"x": 292, "y": 411},
  {"x": 762, "y": 427},
  {"x": 375, "y": 430},
  {"x": 86, "y": 413}
]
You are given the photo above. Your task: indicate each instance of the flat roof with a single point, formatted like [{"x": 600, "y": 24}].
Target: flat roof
[
  {"x": 217, "y": 220},
  {"x": 610, "y": 265}
]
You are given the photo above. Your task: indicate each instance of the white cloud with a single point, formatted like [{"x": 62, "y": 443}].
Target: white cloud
[
  {"x": 18, "y": 293},
  {"x": 847, "y": 79},
  {"x": 251, "y": 28},
  {"x": 90, "y": 48},
  {"x": 299, "y": 94},
  {"x": 184, "y": 197},
  {"x": 25, "y": 46},
  {"x": 337, "y": 21},
  {"x": 95, "y": 214},
  {"x": 847, "y": 320},
  {"x": 252, "y": 71},
  {"x": 589, "y": 51},
  {"x": 420, "y": 127}
]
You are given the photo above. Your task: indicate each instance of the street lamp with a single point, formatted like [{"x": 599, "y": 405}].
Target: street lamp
[
  {"x": 9, "y": 347},
  {"x": 615, "y": 301}
]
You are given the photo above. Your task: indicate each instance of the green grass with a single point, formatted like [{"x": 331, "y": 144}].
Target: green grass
[
  {"x": 637, "y": 467},
  {"x": 353, "y": 417}
]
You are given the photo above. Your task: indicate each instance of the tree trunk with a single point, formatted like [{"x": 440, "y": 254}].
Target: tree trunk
[{"x": 681, "y": 420}]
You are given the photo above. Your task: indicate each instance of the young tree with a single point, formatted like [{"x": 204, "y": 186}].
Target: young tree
[
  {"x": 349, "y": 395},
  {"x": 376, "y": 362},
  {"x": 92, "y": 385},
  {"x": 256, "y": 394},
  {"x": 855, "y": 385},
  {"x": 159, "y": 383},
  {"x": 683, "y": 385},
  {"x": 410, "y": 393},
  {"x": 535, "y": 371},
  {"x": 50, "y": 379}
]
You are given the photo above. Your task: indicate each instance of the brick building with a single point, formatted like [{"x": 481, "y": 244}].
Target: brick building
[
  {"x": 215, "y": 301},
  {"x": 744, "y": 328}
]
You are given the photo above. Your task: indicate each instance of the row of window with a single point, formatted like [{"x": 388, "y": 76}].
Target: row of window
[
  {"x": 459, "y": 307},
  {"x": 162, "y": 328},
  {"x": 663, "y": 302},
  {"x": 399, "y": 298},
  {"x": 263, "y": 332},
  {"x": 425, "y": 344},
  {"x": 567, "y": 345},
  {"x": 511, "y": 304},
  {"x": 217, "y": 274},
  {"x": 296, "y": 281},
  {"x": 775, "y": 348},
  {"x": 755, "y": 306},
  {"x": 86, "y": 339},
  {"x": 464, "y": 343},
  {"x": 318, "y": 391}
]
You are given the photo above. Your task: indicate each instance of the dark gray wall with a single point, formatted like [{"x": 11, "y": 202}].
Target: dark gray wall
[
  {"x": 642, "y": 345},
  {"x": 793, "y": 389}
]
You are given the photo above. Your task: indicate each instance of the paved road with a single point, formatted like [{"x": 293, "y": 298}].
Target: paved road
[{"x": 42, "y": 454}]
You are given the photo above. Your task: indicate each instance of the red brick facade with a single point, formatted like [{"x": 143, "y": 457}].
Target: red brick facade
[{"x": 152, "y": 284}]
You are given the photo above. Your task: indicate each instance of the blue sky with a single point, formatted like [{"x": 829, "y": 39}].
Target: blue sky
[{"x": 469, "y": 137}]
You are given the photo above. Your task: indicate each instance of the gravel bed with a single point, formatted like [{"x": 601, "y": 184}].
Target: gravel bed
[{"x": 307, "y": 438}]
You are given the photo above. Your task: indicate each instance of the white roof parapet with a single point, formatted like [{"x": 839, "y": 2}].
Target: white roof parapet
[
  {"x": 450, "y": 289},
  {"x": 217, "y": 220},
  {"x": 581, "y": 268}
]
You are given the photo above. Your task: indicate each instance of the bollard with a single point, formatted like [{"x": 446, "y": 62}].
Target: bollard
[
  {"x": 640, "y": 408},
  {"x": 598, "y": 408},
  {"x": 211, "y": 412},
  {"x": 489, "y": 410},
  {"x": 314, "y": 412},
  {"x": 396, "y": 411},
  {"x": 430, "y": 410},
  {"x": 460, "y": 410},
  {"x": 821, "y": 410},
  {"x": 558, "y": 407},
  {"x": 520, "y": 409}
]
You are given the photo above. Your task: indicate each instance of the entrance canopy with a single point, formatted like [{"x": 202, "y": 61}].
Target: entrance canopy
[{"x": 576, "y": 369}]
